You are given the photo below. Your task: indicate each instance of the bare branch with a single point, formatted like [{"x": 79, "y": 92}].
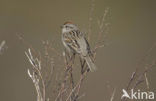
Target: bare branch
[
  {"x": 90, "y": 19},
  {"x": 112, "y": 97},
  {"x": 2, "y": 46}
]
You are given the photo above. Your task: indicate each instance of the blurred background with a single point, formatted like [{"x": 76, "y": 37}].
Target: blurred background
[{"x": 132, "y": 34}]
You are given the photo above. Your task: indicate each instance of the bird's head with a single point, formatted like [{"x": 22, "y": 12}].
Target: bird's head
[{"x": 68, "y": 26}]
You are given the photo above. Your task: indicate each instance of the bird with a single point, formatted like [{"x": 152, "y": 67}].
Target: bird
[{"x": 75, "y": 42}]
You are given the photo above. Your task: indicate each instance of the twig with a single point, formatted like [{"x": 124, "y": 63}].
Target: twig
[
  {"x": 131, "y": 80},
  {"x": 90, "y": 19},
  {"x": 147, "y": 82},
  {"x": 112, "y": 97},
  {"x": 102, "y": 24},
  {"x": 36, "y": 76},
  {"x": 2, "y": 46}
]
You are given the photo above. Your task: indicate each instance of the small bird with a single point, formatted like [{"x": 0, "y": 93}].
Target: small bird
[{"x": 75, "y": 42}]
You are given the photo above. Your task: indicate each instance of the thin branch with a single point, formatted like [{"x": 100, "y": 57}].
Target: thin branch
[
  {"x": 90, "y": 19},
  {"x": 113, "y": 94},
  {"x": 2, "y": 46}
]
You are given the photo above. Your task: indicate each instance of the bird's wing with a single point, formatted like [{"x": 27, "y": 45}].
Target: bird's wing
[{"x": 71, "y": 41}]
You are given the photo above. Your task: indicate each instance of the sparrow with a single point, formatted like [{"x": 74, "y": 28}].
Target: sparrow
[{"x": 75, "y": 42}]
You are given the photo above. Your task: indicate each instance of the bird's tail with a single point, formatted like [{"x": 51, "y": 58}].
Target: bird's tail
[{"x": 90, "y": 64}]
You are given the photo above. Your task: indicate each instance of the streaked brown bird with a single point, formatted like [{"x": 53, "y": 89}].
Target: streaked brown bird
[{"x": 75, "y": 42}]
